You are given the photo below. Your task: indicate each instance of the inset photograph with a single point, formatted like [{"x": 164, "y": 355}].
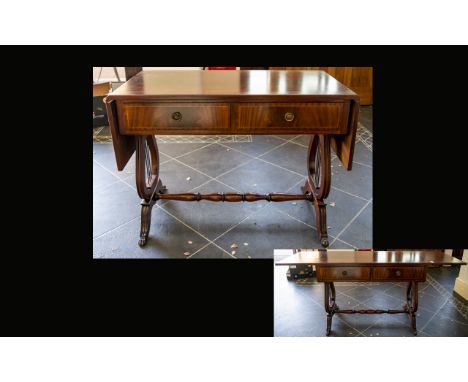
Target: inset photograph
[
  {"x": 230, "y": 162},
  {"x": 366, "y": 293}
]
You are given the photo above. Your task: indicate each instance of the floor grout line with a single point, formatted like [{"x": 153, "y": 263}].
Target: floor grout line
[
  {"x": 177, "y": 219},
  {"x": 285, "y": 139},
  {"x": 163, "y": 202},
  {"x": 253, "y": 214},
  {"x": 129, "y": 185},
  {"x": 362, "y": 164},
  {"x": 265, "y": 161},
  {"x": 235, "y": 226},
  {"x": 350, "y": 194},
  {"x": 230, "y": 170},
  {"x": 435, "y": 314},
  {"x": 270, "y": 163},
  {"x": 118, "y": 180},
  {"x": 193, "y": 229},
  {"x": 122, "y": 180},
  {"x": 201, "y": 249},
  {"x": 315, "y": 228},
  {"x": 267, "y": 152},
  {"x": 258, "y": 156},
  {"x": 338, "y": 317},
  {"x": 461, "y": 308},
  {"x": 296, "y": 219},
  {"x": 216, "y": 178},
  {"x": 352, "y": 220},
  {"x": 345, "y": 242},
  {"x": 109, "y": 171},
  {"x": 298, "y": 144},
  {"x": 227, "y": 172},
  {"x": 283, "y": 168},
  {"x": 158, "y": 206},
  {"x": 237, "y": 167},
  {"x": 357, "y": 306},
  {"x": 190, "y": 152},
  {"x": 248, "y": 162},
  {"x": 113, "y": 229},
  {"x": 166, "y": 161},
  {"x": 238, "y": 224},
  {"x": 193, "y": 168},
  {"x": 351, "y": 297},
  {"x": 243, "y": 153},
  {"x": 296, "y": 184},
  {"x": 276, "y": 148}
]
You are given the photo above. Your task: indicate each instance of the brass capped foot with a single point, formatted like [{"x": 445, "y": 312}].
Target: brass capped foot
[
  {"x": 143, "y": 241},
  {"x": 325, "y": 242}
]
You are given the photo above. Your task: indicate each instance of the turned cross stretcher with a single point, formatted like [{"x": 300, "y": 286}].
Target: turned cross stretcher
[
  {"x": 369, "y": 266},
  {"x": 232, "y": 103}
]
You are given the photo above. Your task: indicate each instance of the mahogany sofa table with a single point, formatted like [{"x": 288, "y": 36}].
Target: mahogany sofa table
[
  {"x": 256, "y": 102},
  {"x": 369, "y": 266}
]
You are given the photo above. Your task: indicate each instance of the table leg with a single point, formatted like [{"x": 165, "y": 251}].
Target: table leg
[
  {"x": 147, "y": 181},
  {"x": 319, "y": 181},
  {"x": 330, "y": 304},
  {"x": 412, "y": 303}
]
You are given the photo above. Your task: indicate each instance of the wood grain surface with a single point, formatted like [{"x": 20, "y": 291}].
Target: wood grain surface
[{"x": 366, "y": 258}]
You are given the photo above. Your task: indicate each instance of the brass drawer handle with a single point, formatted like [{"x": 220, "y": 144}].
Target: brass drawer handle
[
  {"x": 289, "y": 117},
  {"x": 344, "y": 273},
  {"x": 176, "y": 116},
  {"x": 398, "y": 273}
]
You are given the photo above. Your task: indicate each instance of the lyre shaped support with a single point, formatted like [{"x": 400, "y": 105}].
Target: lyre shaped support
[
  {"x": 148, "y": 183},
  {"x": 330, "y": 304},
  {"x": 318, "y": 183}
]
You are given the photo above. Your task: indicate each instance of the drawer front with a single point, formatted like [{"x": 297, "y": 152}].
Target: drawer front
[
  {"x": 329, "y": 274},
  {"x": 140, "y": 118},
  {"x": 399, "y": 274},
  {"x": 293, "y": 118}
]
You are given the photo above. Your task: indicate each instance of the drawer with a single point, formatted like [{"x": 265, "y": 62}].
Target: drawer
[
  {"x": 399, "y": 274},
  {"x": 293, "y": 118},
  {"x": 343, "y": 274},
  {"x": 144, "y": 118}
]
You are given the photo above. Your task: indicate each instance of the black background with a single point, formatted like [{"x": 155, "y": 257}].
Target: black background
[{"x": 49, "y": 281}]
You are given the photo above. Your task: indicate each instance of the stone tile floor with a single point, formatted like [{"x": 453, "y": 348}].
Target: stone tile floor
[
  {"x": 299, "y": 308},
  {"x": 261, "y": 164}
]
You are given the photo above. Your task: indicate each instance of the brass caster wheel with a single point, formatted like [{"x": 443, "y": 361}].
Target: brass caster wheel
[
  {"x": 143, "y": 242},
  {"x": 325, "y": 243}
]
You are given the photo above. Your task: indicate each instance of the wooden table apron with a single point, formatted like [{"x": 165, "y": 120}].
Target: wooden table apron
[
  {"x": 174, "y": 103},
  {"x": 370, "y": 266}
]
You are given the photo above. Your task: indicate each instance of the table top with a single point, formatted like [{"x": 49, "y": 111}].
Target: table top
[
  {"x": 236, "y": 84},
  {"x": 368, "y": 258}
]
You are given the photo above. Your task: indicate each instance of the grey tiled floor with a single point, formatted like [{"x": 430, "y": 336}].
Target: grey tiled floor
[
  {"x": 299, "y": 308},
  {"x": 267, "y": 164}
]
